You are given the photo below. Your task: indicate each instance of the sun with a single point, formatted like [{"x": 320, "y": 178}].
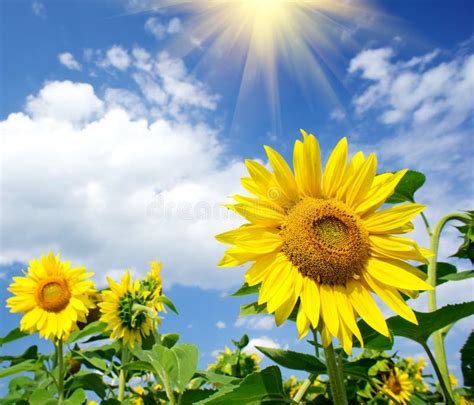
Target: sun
[{"x": 259, "y": 40}]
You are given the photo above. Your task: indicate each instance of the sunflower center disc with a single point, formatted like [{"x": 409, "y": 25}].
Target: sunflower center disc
[
  {"x": 53, "y": 295},
  {"x": 325, "y": 241}
]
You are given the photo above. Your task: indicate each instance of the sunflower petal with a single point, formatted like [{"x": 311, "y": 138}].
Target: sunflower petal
[
  {"x": 386, "y": 221},
  {"x": 366, "y": 307},
  {"x": 335, "y": 169},
  {"x": 283, "y": 174}
]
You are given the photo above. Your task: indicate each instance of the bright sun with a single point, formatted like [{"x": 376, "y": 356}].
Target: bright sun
[{"x": 265, "y": 37}]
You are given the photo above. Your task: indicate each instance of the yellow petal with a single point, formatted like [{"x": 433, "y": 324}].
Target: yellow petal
[
  {"x": 280, "y": 272},
  {"x": 345, "y": 337},
  {"x": 307, "y": 165},
  {"x": 302, "y": 323},
  {"x": 284, "y": 289},
  {"x": 283, "y": 311},
  {"x": 392, "y": 298},
  {"x": 261, "y": 214},
  {"x": 311, "y": 301},
  {"x": 394, "y": 273},
  {"x": 260, "y": 269},
  {"x": 335, "y": 169},
  {"x": 366, "y": 307},
  {"x": 346, "y": 312},
  {"x": 329, "y": 309},
  {"x": 362, "y": 181},
  {"x": 396, "y": 247},
  {"x": 283, "y": 174},
  {"x": 386, "y": 221},
  {"x": 354, "y": 166},
  {"x": 382, "y": 188}
]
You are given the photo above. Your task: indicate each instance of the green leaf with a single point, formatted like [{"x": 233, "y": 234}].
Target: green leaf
[
  {"x": 77, "y": 398},
  {"x": 359, "y": 368},
  {"x": 89, "y": 382},
  {"x": 467, "y": 361},
  {"x": 256, "y": 388},
  {"x": 179, "y": 363},
  {"x": 139, "y": 365},
  {"x": 246, "y": 290},
  {"x": 28, "y": 365},
  {"x": 93, "y": 360},
  {"x": 406, "y": 188},
  {"x": 39, "y": 397},
  {"x": 11, "y": 336},
  {"x": 466, "y": 250},
  {"x": 169, "y": 339},
  {"x": 165, "y": 300},
  {"x": 430, "y": 322},
  {"x": 252, "y": 309},
  {"x": 294, "y": 360},
  {"x": 214, "y": 378},
  {"x": 190, "y": 397},
  {"x": 462, "y": 275},
  {"x": 244, "y": 341},
  {"x": 91, "y": 329},
  {"x": 442, "y": 270},
  {"x": 372, "y": 339}
]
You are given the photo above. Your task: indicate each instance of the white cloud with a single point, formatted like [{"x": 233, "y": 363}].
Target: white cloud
[
  {"x": 85, "y": 179},
  {"x": 220, "y": 325},
  {"x": 126, "y": 100},
  {"x": 64, "y": 102},
  {"x": 262, "y": 341},
  {"x": 257, "y": 322},
  {"x": 160, "y": 29},
  {"x": 117, "y": 57},
  {"x": 338, "y": 115},
  {"x": 39, "y": 9},
  {"x": 67, "y": 59},
  {"x": 422, "y": 104}
]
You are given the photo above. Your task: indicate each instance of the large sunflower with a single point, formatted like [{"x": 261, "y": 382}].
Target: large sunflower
[
  {"x": 53, "y": 296},
  {"x": 318, "y": 241},
  {"x": 119, "y": 310},
  {"x": 398, "y": 387}
]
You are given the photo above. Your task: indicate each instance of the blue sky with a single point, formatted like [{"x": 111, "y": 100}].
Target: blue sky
[{"x": 118, "y": 148}]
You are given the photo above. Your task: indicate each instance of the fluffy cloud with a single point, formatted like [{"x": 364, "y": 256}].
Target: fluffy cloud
[
  {"x": 256, "y": 322},
  {"x": 220, "y": 325},
  {"x": 67, "y": 59},
  {"x": 64, "y": 103},
  {"x": 38, "y": 9},
  {"x": 263, "y": 341},
  {"x": 111, "y": 192},
  {"x": 117, "y": 57},
  {"x": 159, "y": 29}
]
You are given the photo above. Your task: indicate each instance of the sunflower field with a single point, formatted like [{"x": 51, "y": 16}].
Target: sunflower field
[{"x": 326, "y": 244}]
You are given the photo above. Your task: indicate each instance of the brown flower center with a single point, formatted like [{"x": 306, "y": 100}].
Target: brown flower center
[
  {"x": 53, "y": 294},
  {"x": 325, "y": 241}
]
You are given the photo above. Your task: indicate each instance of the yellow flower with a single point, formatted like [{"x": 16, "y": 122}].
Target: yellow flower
[
  {"x": 453, "y": 380},
  {"x": 53, "y": 296},
  {"x": 153, "y": 286},
  {"x": 398, "y": 387},
  {"x": 118, "y": 309},
  {"x": 318, "y": 242}
]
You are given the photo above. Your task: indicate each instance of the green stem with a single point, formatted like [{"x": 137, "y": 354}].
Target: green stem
[
  {"x": 337, "y": 383},
  {"x": 438, "y": 337},
  {"x": 427, "y": 224},
  {"x": 168, "y": 389},
  {"x": 307, "y": 383},
  {"x": 122, "y": 374},
  {"x": 60, "y": 357},
  {"x": 447, "y": 394},
  {"x": 304, "y": 387}
]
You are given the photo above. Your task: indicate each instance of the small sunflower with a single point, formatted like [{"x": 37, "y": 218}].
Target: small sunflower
[
  {"x": 53, "y": 296},
  {"x": 119, "y": 310},
  {"x": 398, "y": 387},
  {"x": 152, "y": 285},
  {"x": 318, "y": 242}
]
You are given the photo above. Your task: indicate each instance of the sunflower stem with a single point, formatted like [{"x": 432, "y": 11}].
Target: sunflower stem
[
  {"x": 336, "y": 378},
  {"x": 438, "y": 336},
  {"x": 122, "y": 374},
  {"x": 447, "y": 394},
  {"x": 304, "y": 387},
  {"x": 60, "y": 354}
]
